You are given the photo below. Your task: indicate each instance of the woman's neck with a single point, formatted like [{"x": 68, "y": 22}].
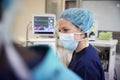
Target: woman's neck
[{"x": 82, "y": 44}]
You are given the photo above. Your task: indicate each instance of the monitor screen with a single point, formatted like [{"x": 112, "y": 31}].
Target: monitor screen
[{"x": 44, "y": 24}]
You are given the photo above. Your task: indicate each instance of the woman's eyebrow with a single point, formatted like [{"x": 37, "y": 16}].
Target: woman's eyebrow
[{"x": 64, "y": 27}]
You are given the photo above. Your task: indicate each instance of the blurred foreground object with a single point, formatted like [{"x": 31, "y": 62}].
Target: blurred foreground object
[
  {"x": 41, "y": 61},
  {"x": 32, "y": 63}
]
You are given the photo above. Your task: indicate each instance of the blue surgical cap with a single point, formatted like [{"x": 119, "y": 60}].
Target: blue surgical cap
[{"x": 80, "y": 17}]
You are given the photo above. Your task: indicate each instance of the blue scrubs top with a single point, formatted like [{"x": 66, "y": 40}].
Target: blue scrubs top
[{"x": 87, "y": 64}]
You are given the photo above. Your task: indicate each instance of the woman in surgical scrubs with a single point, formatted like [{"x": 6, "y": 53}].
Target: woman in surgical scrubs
[{"x": 73, "y": 25}]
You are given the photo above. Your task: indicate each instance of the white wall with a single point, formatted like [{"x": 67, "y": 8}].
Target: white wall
[
  {"x": 25, "y": 16},
  {"x": 107, "y": 14}
]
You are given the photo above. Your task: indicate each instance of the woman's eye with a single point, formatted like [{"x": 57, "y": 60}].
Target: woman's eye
[{"x": 65, "y": 30}]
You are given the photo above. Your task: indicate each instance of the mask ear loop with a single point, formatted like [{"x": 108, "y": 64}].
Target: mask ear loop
[
  {"x": 83, "y": 39},
  {"x": 80, "y": 34},
  {"x": 12, "y": 55}
]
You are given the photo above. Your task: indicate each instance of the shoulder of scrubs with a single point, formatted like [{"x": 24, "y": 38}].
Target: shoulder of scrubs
[{"x": 88, "y": 65}]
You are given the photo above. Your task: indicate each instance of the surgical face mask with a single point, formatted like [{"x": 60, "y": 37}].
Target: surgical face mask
[{"x": 68, "y": 41}]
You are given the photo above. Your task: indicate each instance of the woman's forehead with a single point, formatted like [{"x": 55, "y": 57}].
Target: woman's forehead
[{"x": 64, "y": 22}]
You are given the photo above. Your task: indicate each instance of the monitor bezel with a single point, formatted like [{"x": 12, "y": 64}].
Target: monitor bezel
[{"x": 44, "y": 33}]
